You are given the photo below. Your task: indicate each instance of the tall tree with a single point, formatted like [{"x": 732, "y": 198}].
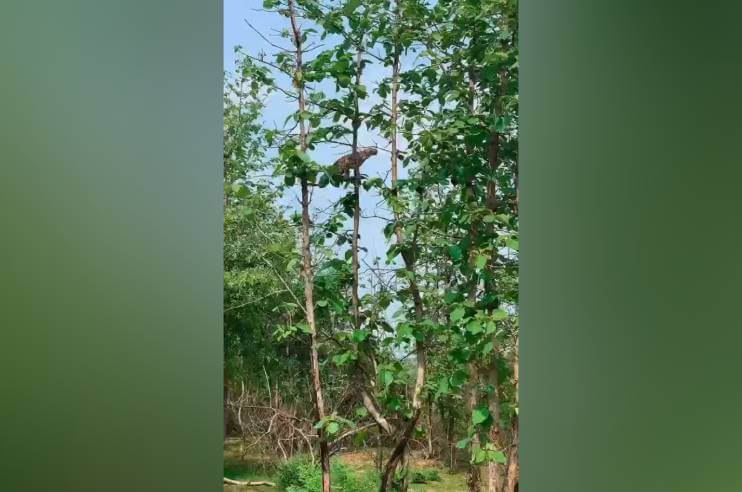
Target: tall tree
[{"x": 299, "y": 82}]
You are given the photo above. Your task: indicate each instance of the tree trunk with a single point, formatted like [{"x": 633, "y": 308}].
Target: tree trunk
[
  {"x": 379, "y": 451},
  {"x": 494, "y": 469},
  {"x": 430, "y": 430},
  {"x": 451, "y": 442},
  {"x": 307, "y": 261},
  {"x": 357, "y": 200},
  {"x": 408, "y": 255},
  {"x": 396, "y": 458},
  {"x": 473, "y": 480},
  {"x": 226, "y": 407},
  {"x": 404, "y": 467},
  {"x": 513, "y": 470}
]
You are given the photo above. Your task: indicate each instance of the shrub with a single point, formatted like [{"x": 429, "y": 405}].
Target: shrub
[
  {"x": 299, "y": 475},
  {"x": 425, "y": 475}
]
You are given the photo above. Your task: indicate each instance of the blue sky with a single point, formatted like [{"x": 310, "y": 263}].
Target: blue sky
[{"x": 237, "y": 32}]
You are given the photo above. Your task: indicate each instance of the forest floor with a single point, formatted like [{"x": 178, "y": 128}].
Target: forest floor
[{"x": 261, "y": 468}]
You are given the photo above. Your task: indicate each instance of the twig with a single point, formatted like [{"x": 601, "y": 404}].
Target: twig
[{"x": 263, "y": 36}]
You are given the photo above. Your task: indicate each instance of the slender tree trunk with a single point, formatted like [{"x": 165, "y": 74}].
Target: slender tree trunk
[
  {"x": 495, "y": 472},
  {"x": 430, "y": 430},
  {"x": 450, "y": 438},
  {"x": 474, "y": 481},
  {"x": 314, "y": 352},
  {"x": 408, "y": 255},
  {"x": 396, "y": 458},
  {"x": 404, "y": 465},
  {"x": 226, "y": 406},
  {"x": 307, "y": 260},
  {"x": 395, "y": 113},
  {"x": 474, "y": 478},
  {"x": 379, "y": 450},
  {"x": 357, "y": 199},
  {"x": 494, "y": 469},
  {"x": 513, "y": 470}
]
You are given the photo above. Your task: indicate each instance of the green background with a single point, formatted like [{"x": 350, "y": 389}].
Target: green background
[
  {"x": 630, "y": 244},
  {"x": 110, "y": 352},
  {"x": 110, "y": 198}
]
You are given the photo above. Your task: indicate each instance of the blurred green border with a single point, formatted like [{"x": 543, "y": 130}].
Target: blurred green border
[
  {"x": 111, "y": 347},
  {"x": 630, "y": 246}
]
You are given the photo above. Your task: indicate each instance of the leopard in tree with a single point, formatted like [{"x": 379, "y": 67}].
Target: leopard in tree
[{"x": 353, "y": 160}]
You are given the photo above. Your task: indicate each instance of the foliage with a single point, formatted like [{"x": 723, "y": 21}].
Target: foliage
[
  {"x": 258, "y": 242},
  {"x": 425, "y": 475},
  {"x": 300, "y": 475}
]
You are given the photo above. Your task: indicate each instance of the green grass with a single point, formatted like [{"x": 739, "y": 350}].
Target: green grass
[
  {"x": 262, "y": 468},
  {"x": 448, "y": 482},
  {"x": 252, "y": 468}
]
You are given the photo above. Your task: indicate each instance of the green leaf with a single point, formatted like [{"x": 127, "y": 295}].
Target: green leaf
[
  {"x": 456, "y": 253},
  {"x": 496, "y": 456},
  {"x": 480, "y": 456},
  {"x": 351, "y": 7},
  {"x": 387, "y": 378},
  {"x": 333, "y": 428},
  {"x": 463, "y": 443},
  {"x": 303, "y": 156},
  {"x": 359, "y": 335},
  {"x": 474, "y": 327},
  {"x": 443, "y": 387},
  {"x": 240, "y": 190},
  {"x": 512, "y": 243},
  {"x": 480, "y": 415},
  {"x": 303, "y": 327},
  {"x": 480, "y": 262},
  {"x": 341, "y": 359},
  {"x": 499, "y": 314},
  {"x": 324, "y": 180},
  {"x": 458, "y": 378},
  {"x": 487, "y": 348},
  {"x": 501, "y": 124},
  {"x": 451, "y": 297},
  {"x": 404, "y": 330},
  {"x": 322, "y": 303},
  {"x": 457, "y": 314}
]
